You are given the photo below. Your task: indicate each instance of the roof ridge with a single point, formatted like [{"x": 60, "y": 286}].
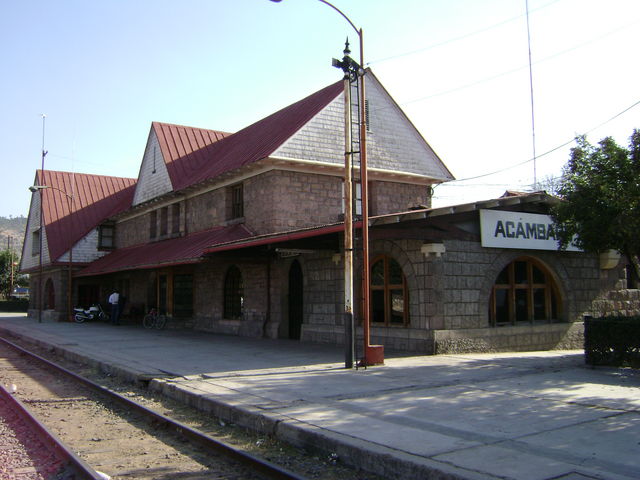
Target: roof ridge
[
  {"x": 64, "y": 172},
  {"x": 255, "y": 141},
  {"x": 155, "y": 122}
]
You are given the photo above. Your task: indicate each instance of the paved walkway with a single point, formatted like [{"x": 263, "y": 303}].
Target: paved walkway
[{"x": 533, "y": 416}]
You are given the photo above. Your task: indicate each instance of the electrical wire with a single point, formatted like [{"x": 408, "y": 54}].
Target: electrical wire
[
  {"x": 522, "y": 67},
  {"x": 457, "y": 39},
  {"x": 548, "y": 151}
]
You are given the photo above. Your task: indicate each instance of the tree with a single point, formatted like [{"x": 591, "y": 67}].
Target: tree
[{"x": 600, "y": 189}]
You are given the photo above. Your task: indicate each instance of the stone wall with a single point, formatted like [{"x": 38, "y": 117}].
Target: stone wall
[
  {"x": 556, "y": 336},
  {"x": 60, "y": 280},
  {"x": 208, "y": 291},
  {"x": 390, "y": 197},
  {"x": 205, "y": 211},
  {"x": 132, "y": 231},
  {"x": 281, "y": 200}
]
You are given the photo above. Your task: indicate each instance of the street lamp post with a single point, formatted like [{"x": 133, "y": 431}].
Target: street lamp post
[
  {"x": 373, "y": 354},
  {"x": 39, "y": 188}
]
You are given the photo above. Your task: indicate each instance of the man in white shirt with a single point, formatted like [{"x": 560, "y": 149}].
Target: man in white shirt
[{"x": 114, "y": 301}]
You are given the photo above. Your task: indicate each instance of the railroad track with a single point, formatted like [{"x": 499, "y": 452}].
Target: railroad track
[
  {"x": 29, "y": 450},
  {"x": 117, "y": 435}
]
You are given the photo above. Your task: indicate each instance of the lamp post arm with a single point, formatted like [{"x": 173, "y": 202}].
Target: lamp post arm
[{"x": 358, "y": 30}]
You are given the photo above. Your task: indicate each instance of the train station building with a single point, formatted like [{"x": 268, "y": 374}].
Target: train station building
[{"x": 242, "y": 234}]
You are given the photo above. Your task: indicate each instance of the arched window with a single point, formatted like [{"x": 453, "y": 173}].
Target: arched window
[
  {"x": 389, "y": 297},
  {"x": 233, "y": 294},
  {"x": 523, "y": 292},
  {"x": 49, "y": 295}
]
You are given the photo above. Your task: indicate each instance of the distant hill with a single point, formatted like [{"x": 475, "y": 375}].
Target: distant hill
[{"x": 13, "y": 227}]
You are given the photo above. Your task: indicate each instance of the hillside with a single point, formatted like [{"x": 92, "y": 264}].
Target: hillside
[{"x": 13, "y": 227}]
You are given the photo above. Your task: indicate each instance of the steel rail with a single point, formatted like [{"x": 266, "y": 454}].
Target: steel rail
[
  {"x": 72, "y": 462},
  {"x": 264, "y": 467}
]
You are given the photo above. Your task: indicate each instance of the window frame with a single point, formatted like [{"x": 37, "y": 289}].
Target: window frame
[
  {"x": 164, "y": 221},
  {"x": 35, "y": 242},
  {"x": 236, "y": 200},
  {"x": 175, "y": 218},
  {"x": 514, "y": 289},
  {"x": 101, "y": 236},
  {"x": 356, "y": 191},
  {"x": 153, "y": 224},
  {"x": 387, "y": 288}
]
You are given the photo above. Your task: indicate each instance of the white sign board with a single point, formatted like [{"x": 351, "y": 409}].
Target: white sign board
[{"x": 529, "y": 231}]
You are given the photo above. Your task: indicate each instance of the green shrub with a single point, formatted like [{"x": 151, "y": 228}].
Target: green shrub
[
  {"x": 14, "y": 305},
  {"x": 612, "y": 341}
]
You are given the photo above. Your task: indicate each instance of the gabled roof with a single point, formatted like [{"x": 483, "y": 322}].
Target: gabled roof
[
  {"x": 249, "y": 145},
  {"x": 75, "y": 203},
  {"x": 190, "y": 145},
  {"x": 174, "y": 251}
]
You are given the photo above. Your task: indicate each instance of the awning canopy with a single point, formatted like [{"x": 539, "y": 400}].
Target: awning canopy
[{"x": 174, "y": 251}]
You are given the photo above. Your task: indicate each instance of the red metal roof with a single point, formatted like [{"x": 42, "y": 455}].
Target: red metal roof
[
  {"x": 279, "y": 237},
  {"x": 190, "y": 145},
  {"x": 175, "y": 251},
  {"x": 75, "y": 203},
  {"x": 187, "y": 166}
]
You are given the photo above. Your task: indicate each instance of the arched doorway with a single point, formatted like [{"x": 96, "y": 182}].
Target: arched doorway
[
  {"x": 524, "y": 292},
  {"x": 295, "y": 300},
  {"x": 49, "y": 295}
]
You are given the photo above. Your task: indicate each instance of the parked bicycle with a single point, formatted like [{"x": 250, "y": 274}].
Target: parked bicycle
[{"x": 154, "y": 320}]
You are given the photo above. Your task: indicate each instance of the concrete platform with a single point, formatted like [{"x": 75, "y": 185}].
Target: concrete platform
[{"x": 526, "y": 416}]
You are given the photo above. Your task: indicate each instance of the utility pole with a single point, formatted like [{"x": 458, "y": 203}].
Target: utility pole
[{"x": 10, "y": 248}]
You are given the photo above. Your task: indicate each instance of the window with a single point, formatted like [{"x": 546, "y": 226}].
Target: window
[
  {"x": 237, "y": 201},
  {"x": 35, "y": 243},
  {"x": 183, "y": 295},
  {"x": 357, "y": 198},
  {"x": 106, "y": 237},
  {"x": 153, "y": 225},
  {"x": 233, "y": 294},
  {"x": 164, "y": 221},
  {"x": 175, "y": 218},
  {"x": 523, "y": 292},
  {"x": 389, "y": 296},
  {"x": 632, "y": 277}
]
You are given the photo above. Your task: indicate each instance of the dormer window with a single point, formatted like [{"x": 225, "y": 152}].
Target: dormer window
[
  {"x": 107, "y": 237},
  {"x": 175, "y": 219},
  {"x": 236, "y": 202},
  {"x": 35, "y": 242},
  {"x": 164, "y": 221},
  {"x": 357, "y": 198},
  {"x": 153, "y": 225}
]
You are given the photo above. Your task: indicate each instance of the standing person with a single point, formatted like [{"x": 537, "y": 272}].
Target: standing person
[{"x": 114, "y": 300}]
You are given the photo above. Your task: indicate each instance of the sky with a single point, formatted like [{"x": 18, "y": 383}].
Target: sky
[{"x": 101, "y": 72}]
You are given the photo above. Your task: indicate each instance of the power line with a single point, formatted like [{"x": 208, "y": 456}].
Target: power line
[
  {"x": 457, "y": 39},
  {"x": 548, "y": 151},
  {"x": 522, "y": 67}
]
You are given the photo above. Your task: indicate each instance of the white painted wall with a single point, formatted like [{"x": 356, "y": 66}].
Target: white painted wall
[
  {"x": 153, "y": 179},
  {"x": 85, "y": 249},
  {"x": 33, "y": 223}
]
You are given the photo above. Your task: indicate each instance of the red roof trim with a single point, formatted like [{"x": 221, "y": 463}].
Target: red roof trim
[
  {"x": 278, "y": 238},
  {"x": 174, "y": 251}
]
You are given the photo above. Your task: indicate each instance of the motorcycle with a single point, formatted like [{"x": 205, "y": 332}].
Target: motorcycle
[{"x": 95, "y": 312}]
